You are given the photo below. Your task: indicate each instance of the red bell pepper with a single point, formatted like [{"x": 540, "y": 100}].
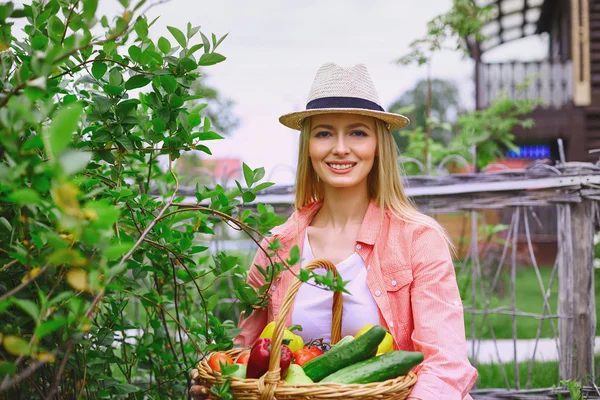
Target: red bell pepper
[{"x": 258, "y": 363}]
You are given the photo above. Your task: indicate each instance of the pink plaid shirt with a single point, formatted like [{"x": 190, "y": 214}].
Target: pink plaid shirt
[{"x": 411, "y": 278}]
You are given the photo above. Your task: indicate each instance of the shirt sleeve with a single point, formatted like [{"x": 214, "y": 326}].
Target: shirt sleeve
[
  {"x": 257, "y": 320},
  {"x": 439, "y": 331}
]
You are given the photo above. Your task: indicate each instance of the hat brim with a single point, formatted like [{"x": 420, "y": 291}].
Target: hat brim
[{"x": 294, "y": 120}]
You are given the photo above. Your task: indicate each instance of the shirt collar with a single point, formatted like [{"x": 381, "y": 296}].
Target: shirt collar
[{"x": 367, "y": 234}]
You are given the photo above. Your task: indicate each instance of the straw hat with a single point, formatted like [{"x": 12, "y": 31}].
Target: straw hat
[{"x": 343, "y": 90}]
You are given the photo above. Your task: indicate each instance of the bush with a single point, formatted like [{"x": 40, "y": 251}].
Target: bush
[{"x": 104, "y": 276}]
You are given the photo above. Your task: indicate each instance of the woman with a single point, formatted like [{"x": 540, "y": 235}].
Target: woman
[{"x": 351, "y": 210}]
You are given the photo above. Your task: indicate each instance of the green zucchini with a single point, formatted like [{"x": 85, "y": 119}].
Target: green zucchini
[
  {"x": 377, "y": 369},
  {"x": 345, "y": 354}
]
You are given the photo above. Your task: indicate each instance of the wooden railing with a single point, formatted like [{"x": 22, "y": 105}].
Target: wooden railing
[{"x": 552, "y": 82}]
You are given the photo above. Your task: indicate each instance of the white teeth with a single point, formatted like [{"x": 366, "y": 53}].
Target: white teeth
[{"x": 341, "y": 166}]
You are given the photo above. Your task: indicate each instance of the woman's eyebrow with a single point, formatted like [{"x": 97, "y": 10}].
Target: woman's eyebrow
[
  {"x": 357, "y": 125},
  {"x": 322, "y": 126}
]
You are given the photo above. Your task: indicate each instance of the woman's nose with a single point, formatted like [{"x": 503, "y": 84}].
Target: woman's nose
[{"x": 341, "y": 147}]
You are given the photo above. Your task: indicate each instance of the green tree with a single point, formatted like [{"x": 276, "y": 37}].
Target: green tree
[{"x": 444, "y": 108}]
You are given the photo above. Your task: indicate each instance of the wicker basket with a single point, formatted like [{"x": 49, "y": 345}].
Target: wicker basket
[{"x": 270, "y": 386}]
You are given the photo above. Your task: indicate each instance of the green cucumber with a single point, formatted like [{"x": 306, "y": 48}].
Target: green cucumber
[
  {"x": 377, "y": 369},
  {"x": 346, "y": 354},
  {"x": 343, "y": 340}
]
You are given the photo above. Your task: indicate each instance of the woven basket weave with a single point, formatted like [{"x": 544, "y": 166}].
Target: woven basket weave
[{"x": 270, "y": 386}]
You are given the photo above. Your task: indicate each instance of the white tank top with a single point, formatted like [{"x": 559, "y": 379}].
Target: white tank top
[{"x": 312, "y": 306}]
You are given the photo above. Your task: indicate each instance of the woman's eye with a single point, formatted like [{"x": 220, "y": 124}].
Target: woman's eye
[
  {"x": 322, "y": 134},
  {"x": 359, "y": 133}
]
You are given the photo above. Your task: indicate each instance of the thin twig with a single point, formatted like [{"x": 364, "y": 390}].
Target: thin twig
[
  {"x": 62, "y": 39},
  {"x": 8, "y": 265},
  {"x": 164, "y": 321},
  {"x": 177, "y": 311},
  {"x": 61, "y": 369},
  {"x": 17, "y": 289},
  {"x": 81, "y": 64}
]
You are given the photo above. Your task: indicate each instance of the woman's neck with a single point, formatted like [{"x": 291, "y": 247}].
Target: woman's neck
[{"x": 342, "y": 207}]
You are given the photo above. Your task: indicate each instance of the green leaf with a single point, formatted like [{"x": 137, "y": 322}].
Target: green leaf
[
  {"x": 262, "y": 186},
  {"x": 60, "y": 133},
  {"x": 28, "y": 306},
  {"x": 159, "y": 125},
  {"x": 117, "y": 250},
  {"x": 212, "y": 302},
  {"x": 99, "y": 69},
  {"x": 194, "y": 119},
  {"x": 6, "y": 224},
  {"x": 134, "y": 52},
  {"x": 195, "y": 48},
  {"x": 248, "y": 175},
  {"x": 259, "y": 173},
  {"x": 73, "y": 162},
  {"x": 211, "y": 59},
  {"x": 206, "y": 136},
  {"x": 137, "y": 81},
  {"x": 24, "y": 196},
  {"x": 220, "y": 40},
  {"x": 7, "y": 368},
  {"x": 39, "y": 42},
  {"x": 113, "y": 90},
  {"x": 16, "y": 346},
  {"x": 205, "y": 42},
  {"x": 125, "y": 388},
  {"x": 168, "y": 83},
  {"x": 89, "y": 9},
  {"x": 141, "y": 27},
  {"x": 294, "y": 255},
  {"x": 178, "y": 35},
  {"x": 164, "y": 45},
  {"x": 47, "y": 327},
  {"x": 248, "y": 197},
  {"x": 176, "y": 101}
]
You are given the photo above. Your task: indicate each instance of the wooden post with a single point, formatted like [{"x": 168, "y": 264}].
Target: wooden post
[{"x": 576, "y": 302}]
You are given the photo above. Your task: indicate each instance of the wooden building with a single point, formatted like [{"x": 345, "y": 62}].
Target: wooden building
[{"x": 567, "y": 79}]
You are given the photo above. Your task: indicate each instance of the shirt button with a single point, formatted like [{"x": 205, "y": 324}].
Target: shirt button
[
  {"x": 377, "y": 293},
  {"x": 391, "y": 324},
  {"x": 273, "y": 287},
  {"x": 358, "y": 246},
  {"x": 394, "y": 283}
]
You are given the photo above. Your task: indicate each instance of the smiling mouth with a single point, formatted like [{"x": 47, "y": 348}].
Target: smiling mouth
[{"x": 341, "y": 167}]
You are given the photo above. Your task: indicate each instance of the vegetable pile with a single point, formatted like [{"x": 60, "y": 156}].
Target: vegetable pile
[{"x": 367, "y": 357}]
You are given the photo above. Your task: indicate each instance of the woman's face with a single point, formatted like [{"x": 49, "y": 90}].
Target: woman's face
[{"x": 342, "y": 148}]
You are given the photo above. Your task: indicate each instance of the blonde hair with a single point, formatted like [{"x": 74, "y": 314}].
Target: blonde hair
[{"x": 384, "y": 181}]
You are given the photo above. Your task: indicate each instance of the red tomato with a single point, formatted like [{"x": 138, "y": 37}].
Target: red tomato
[
  {"x": 217, "y": 359},
  {"x": 243, "y": 358},
  {"x": 306, "y": 354}
]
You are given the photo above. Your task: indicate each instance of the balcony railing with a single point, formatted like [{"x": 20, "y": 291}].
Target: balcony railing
[{"x": 549, "y": 81}]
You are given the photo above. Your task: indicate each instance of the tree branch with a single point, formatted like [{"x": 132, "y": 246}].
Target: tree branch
[{"x": 62, "y": 39}]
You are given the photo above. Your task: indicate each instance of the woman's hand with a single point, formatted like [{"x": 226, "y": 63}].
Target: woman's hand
[{"x": 197, "y": 391}]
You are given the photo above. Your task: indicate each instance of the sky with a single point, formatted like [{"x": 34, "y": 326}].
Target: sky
[{"x": 275, "y": 47}]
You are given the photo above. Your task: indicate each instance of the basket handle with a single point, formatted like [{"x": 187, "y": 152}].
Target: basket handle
[{"x": 286, "y": 305}]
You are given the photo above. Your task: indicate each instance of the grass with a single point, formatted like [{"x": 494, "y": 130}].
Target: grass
[
  {"x": 544, "y": 375},
  {"x": 528, "y": 299}
]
